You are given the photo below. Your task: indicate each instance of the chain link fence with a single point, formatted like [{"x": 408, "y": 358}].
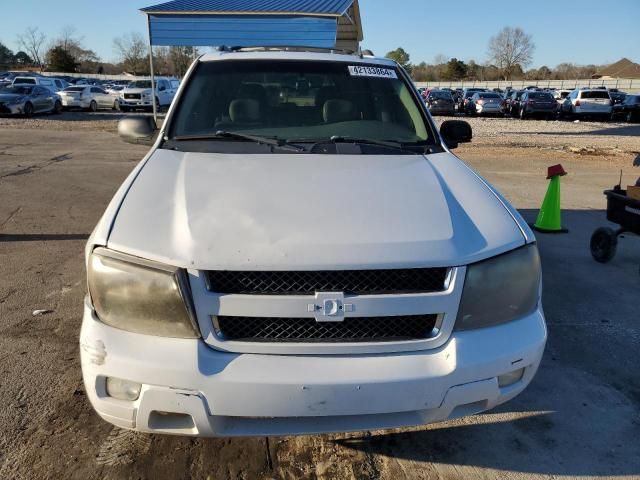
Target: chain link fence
[{"x": 626, "y": 84}]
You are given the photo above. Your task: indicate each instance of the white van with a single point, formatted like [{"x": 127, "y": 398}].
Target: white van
[
  {"x": 42, "y": 81},
  {"x": 300, "y": 252}
]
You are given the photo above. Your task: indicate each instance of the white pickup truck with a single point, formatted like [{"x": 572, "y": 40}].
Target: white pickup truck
[
  {"x": 300, "y": 252},
  {"x": 137, "y": 95}
]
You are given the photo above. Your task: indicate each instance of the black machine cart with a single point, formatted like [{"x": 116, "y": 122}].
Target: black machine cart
[{"x": 625, "y": 212}]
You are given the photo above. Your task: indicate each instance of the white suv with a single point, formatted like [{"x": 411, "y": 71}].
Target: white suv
[
  {"x": 584, "y": 102},
  {"x": 137, "y": 95},
  {"x": 300, "y": 252}
]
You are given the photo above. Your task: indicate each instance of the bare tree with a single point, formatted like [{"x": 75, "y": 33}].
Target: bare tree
[
  {"x": 32, "y": 40},
  {"x": 182, "y": 58},
  {"x": 68, "y": 38},
  {"x": 132, "y": 52},
  {"x": 511, "y": 47}
]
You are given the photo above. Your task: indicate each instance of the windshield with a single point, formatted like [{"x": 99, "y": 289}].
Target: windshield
[
  {"x": 74, "y": 89},
  {"x": 488, "y": 95},
  {"x": 18, "y": 90},
  {"x": 30, "y": 81},
  {"x": 140, "y": 84},
  {"x": 300, "y": 100}
]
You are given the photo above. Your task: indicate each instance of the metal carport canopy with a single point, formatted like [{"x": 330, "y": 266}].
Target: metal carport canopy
[{"x": 250, "y": 23}]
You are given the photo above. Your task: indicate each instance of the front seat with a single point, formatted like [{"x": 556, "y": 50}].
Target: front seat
[{"x": 335, "y": 111}]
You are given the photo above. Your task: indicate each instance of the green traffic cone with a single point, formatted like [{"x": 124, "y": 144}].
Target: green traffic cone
[{"x": 550, "y": 216}]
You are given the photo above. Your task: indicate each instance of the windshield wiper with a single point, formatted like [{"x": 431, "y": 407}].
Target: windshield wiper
[
  {"x": 221, "y": 134},
  {"x": 364, "y": 141}
]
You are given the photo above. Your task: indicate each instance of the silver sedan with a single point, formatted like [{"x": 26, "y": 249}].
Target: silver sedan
[{"x": 27, "y": 100}]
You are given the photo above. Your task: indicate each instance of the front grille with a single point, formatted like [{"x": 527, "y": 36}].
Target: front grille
[
  {"x": 354, "y": 282},
  {"x": 132, "y": 96},
  {"x": 308, "y": 330}
]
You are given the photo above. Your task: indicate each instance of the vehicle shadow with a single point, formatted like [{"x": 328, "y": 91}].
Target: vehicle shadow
[
  {"x": 580, "y": 416},
  {"x": 618, "y": 131},
  {"x": 38, "y": 237}
]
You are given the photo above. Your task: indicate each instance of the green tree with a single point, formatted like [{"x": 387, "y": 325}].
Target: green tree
[
  {"x": 60, "y": 60},
  {"x": 456, "y": 70},
  {"x": 22, "y": 58},
  {"x": 402, "y": 57},
  {"x": 6, "y": 55}
]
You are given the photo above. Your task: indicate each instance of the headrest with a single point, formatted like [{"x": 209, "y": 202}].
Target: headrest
[
  {"x": 338, "y": 111},
  {"x": 254, "y": 91},
  {"x": 245, "y": 110},
  {"x": 324, "y": 94}
]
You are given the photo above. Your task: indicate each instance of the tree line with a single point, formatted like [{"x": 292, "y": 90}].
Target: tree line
[
  {"x": 509, "y": 53},
  {"x": 67, "y": 53}
]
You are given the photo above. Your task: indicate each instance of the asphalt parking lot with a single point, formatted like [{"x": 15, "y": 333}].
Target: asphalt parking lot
[{"x": 579, "y": 418}]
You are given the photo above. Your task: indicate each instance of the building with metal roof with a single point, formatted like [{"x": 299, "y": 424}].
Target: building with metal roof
[
  {"x": 330, "y": 24},
  {"x": 296, "y": 23}
]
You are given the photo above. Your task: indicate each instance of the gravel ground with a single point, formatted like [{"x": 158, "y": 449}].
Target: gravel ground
[
  {"x": 581, "y": 137},
  {"x": 580, "y": 418}
]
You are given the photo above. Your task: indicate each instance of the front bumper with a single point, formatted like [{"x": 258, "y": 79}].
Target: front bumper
[
  {"x": 13, "y": 109},
  {"x": 143, "y": 102},
  {"x": 188, "y": 388}
]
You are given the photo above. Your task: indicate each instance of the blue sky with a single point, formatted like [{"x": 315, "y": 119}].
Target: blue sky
[{"x": 579, "y": 31}]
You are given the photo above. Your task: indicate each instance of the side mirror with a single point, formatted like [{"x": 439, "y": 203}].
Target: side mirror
[
  {"x": 454, "y": 132},
  {"x": 137, "y": 130}
]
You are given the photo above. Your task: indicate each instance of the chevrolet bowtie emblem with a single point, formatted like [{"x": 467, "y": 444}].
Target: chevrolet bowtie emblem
[{"x": 329, "y": 307}]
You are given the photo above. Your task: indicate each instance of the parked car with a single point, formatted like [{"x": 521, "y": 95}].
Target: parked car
[
  {"x": 87, "y": 97},
  {"x": 617, "y": 96},
  {"x": 512, "y": 104},
  {"x": 629, "y": 109},
  {"x": 114, "y": 89},
  {"x": 485, "y": 103},
  {"x": 559, "y": 96},
  {"x": 42, "y": 81},
  {"x": 440, "y": 102},
  {"x": 467, "y": 93},
  {"x": 137, "y": 95},
  {"x": 537, "y": 104},
  {"x": 288, "y": 260},
  {"x": 587, "y": 103},
  {"x": 28, "y": 100}
]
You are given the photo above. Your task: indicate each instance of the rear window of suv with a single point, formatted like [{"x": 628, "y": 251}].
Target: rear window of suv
[
  {"x": 541, "y": 96},
  {"x": 595, "y": 94}
]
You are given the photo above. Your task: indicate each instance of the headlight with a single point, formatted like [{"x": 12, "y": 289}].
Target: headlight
[
  {"x": 16, "y": 101},
  {"x": 140, "y": 296},
  {"x": 500, "y": 289}
]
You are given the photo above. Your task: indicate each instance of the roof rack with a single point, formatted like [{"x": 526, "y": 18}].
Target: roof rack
[
  {"x": 284, "y": 48},
  {"x": 276, "y": 48}
]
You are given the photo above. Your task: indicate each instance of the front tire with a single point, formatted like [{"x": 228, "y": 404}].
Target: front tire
[
  {"x": 604, "y": 243},
  {"x": 28, "y": 110},
  {"x": 57, "y": 108},
  {"x": 93, "y": 106}
]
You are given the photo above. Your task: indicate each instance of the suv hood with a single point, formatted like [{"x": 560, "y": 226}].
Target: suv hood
[
  {"x": 136, "y": 90},
  {"x": 297, "y": 212},
  {"x": 6, "y": 97}
]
